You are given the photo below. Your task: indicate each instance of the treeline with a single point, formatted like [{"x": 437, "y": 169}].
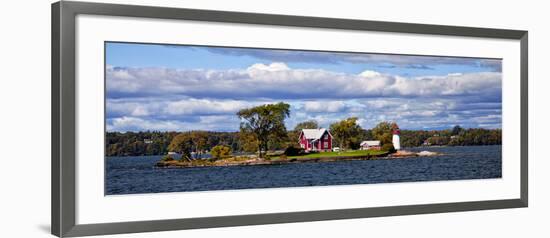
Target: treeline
[
  {"x": 157, "y": 143},
  {"x": 456, "y": 136}
]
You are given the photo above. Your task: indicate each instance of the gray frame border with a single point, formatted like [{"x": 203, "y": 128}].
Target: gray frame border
[{"x": 63, "y": 117}]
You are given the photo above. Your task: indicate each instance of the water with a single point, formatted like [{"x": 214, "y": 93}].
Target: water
[{"x": 130, "y": 175}]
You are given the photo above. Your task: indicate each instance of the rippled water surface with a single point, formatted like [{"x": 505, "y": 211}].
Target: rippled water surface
[{"x": 129, "y": 175}]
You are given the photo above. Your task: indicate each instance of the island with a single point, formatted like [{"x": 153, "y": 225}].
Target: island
[
  {"x": 264, "y": 140},
  {"x": 264, "y": 125}
]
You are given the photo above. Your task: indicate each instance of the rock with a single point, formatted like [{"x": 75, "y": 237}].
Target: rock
[
  {"x": 426, "y": 153},
  {"x": 403, "y": 153}
]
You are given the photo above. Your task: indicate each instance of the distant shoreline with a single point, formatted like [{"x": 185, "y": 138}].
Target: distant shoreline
[
  {"x": 156, "y": 143},
  {"x": 404, "y": 148}
]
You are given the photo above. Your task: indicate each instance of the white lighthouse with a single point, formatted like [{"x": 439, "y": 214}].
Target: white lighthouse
[{"x": 395, "y": 138}]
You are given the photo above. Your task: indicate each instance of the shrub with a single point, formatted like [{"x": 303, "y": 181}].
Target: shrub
[
  {"x": 220, "y": 152},
  {"x": 388, "y": 147},
  {"x": 293, "y": 151}
]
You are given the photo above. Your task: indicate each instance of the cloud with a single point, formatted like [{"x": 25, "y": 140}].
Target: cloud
[
  {"x": 127, "y": 123},
  {"x": 418, "y": 113},
  {"x": 204, "y": 106},
  {"x": 279, "y": 55},
  {"x": 278, "y": 81},
  {"x": 324, "y": 106},
  {"x": 273, "y": 67},
  {"x": 384, "y": 60},
  {"x": 208, "y": 123},
  {"x": 177, "y": 99},
  {"x": 430, "y": 113},
  {"x": 175, "y": 107}
]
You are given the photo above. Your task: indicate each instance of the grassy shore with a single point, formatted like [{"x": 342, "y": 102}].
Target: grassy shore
[{"x": 354, "y": 153}]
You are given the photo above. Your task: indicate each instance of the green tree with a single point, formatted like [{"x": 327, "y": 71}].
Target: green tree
[
  {"x": 383, "y": 132},
  {"x": 438, "y": 140},
  {"x": 456, "y": 130},
  {"x": 248, "y": 142},
  {"x": 199, "y": 140},
  {"x": 388, "y": 148},
  {"x": 183, "y": 144},
  {"x": 311, "y": 124},
  {"x": 347, "y": 132},
  {"x": 220, "y": 152},
  {"x": 265, "y": 122},
  {"x": 278, "y": 141}
]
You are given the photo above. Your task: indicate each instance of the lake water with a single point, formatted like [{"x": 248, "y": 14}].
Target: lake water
[{"x": 131, "y": 175}]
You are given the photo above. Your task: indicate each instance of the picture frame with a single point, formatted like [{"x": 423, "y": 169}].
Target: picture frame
[{"x": 64, "y": 107}]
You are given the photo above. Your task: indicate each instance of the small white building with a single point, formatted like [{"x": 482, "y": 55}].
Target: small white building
[
  {"x": 370, "y": 145},
  {"x": 175, "y": 155}
]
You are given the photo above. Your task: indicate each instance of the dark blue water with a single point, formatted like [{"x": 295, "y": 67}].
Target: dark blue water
[{"x": 130, "y": 175}]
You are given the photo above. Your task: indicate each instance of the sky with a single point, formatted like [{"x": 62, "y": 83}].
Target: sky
[{"x": 154, "y": 87}]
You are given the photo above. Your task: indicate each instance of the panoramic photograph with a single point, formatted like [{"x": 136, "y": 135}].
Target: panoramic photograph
[{"x": 186, "y": 118}]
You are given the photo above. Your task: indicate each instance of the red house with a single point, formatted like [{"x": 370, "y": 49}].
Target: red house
[{"x": 316, "y": 140}]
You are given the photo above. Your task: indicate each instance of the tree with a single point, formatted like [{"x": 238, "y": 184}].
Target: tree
[
  {"x": 278, "y": 140},
  {"x": 265, "y": 122},
  {"x": 199, "y": 139},
  {"x": 438, "y": 140},
  {"x": 388, "y": 148},
  {"x": 311, "y": 124},
  {"x": 220, "y": 152},
  {"x": 346, "y": 132},
  {"x": 456, "y": 130},
  {"x": 383, "y": 132},
  {"x": 248, "y": 142},
  {"x": 183, "y": 144}
]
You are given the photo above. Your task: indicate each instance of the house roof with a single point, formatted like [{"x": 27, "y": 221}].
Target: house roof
[
  {"x": 314, "y": 133},
  {"x": 370, "y": 143}
]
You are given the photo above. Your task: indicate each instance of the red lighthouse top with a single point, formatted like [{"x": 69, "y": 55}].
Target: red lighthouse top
[{"x": 395, "y": 129}]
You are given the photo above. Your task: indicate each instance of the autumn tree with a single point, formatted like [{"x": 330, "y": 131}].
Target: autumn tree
[
  {"x": 188, "y": 142},
  {"x": 199, "y": 141},
  {"x": 183, "y": 144},
  {"x": 265, "y": 122},
  {"x": 220, "y": 152},
  {"x": 347, "y": 132}
]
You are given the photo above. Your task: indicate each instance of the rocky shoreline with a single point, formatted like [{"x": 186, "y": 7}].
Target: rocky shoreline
[
  {"x": 405, "y": 154},
  {"x": 255, "y": 161}
]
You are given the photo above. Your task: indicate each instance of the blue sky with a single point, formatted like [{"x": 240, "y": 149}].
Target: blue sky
[{"x": 179, "y": 88}]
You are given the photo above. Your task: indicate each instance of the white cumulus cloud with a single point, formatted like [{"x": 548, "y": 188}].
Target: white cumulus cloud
[
  {"x": 181, "y": 99},
  {"x": 278, "y": 81},
  {"x": 324, "y": 106}
]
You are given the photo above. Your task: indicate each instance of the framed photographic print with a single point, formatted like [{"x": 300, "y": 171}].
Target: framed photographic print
[{"x": 166, "y": 118}]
